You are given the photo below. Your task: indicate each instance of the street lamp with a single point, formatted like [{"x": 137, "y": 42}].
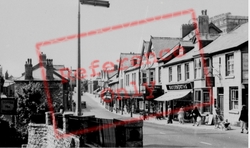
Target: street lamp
[{"x": 87, "y": 2}]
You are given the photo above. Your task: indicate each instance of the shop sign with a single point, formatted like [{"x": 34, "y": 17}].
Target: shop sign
[
  {"x": 179, "y": 86},
  {"x": 209, "y": 81},
  {"x": 8, "y": 106}
]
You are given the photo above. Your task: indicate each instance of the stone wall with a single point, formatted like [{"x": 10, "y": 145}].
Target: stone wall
[
  {"x": 62, "y": 141},
  {"x": 43, "y": 136},
  {"x": 37, "y": 135},
  {"x": 79, "y": 131}
]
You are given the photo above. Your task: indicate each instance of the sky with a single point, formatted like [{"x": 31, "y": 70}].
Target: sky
[{"x": 25, "y": 23}]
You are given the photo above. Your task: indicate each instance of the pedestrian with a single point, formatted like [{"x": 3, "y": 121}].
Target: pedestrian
[
  {"x": 181, "y": 114},
  {"x": 215, "y": 117},
  {"x": 170, "y": 116},
  {"x": 196, "y": 114},
  {"x": 61, "y": 109},
  {"x": 244, "y": 119}
]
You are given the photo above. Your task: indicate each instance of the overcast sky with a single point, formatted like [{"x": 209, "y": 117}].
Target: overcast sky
[{"x": 25, "y": 23}]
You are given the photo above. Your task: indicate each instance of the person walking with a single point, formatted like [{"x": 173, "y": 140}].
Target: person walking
[
  {"x": 195, "y": 114},
  {"x": 244, "y": 119},
  {"x": 170, "y": 116},
  {"x": 181, "y": 115}
]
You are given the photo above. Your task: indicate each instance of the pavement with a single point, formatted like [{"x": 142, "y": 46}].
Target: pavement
[{"x": 153, "y": 120}]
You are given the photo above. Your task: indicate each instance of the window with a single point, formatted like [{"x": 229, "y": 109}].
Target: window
[
  {"x": 170, "y": 74},
  {"x": 152, "y": 75},
  {"x": 229, "y": 65},
  {"x": 144, "y": 77},
  {"x": 159, "y": 74},
  {"x": 219, "y": 68},
  {"x": 121, "y": 86},
  {"x": 186, "y": 71},
  {"x": 197, "y": 97},
  {"x": 206, "y": 62},
  {"x": 197, "y": 69},
  {"x": 134, "y": 77},
  {"x": 178, "y": 72},
  {"x": 245, "y": 67},
  {"x": 233, "y": 94},
  {"x": 127, "y": 80}
]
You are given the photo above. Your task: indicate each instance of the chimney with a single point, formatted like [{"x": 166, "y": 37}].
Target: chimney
[
  {"x": 43, "y": 58},
  {"x": 133, "y": 62},
  {"x": 187, "y": 28},
  {"x": 49, "y": 69},
  {"x": 203, "y": 23},
  {"x": 28, "y": 70},
  {"x": 115, "y": 67}
]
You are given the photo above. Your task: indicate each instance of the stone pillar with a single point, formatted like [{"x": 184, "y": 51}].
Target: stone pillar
[
  {"x": 48, "y": 116},
  {"x": 66, "y": 123}
]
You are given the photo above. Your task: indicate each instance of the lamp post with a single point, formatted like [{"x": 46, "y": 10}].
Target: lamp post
[{"x": 93, "y": 3}]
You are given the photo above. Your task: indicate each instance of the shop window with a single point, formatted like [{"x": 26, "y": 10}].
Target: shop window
[
  {"x": 229, "y": 64},
  {"x": 234, "y": 101},
  {"x": 170, "y": 74},
  {"x": 178, "y": 72},
  {"x": 186, "y": 71}
]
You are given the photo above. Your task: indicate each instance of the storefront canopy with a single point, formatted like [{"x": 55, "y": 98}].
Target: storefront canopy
[{"x": 173, "y": 95}]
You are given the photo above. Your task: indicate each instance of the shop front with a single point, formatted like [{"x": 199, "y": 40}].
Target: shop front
[
  {"x": 152, "y": 92},
  {"x": 177, "y": 95}
]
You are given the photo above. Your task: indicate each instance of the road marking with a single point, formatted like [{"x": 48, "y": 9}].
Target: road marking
[
  {"x": 206, "y": 143},
  {"x": 162, "y": 133}
]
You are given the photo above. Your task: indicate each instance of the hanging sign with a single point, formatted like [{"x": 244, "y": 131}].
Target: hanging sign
[{"x": 8, "y": 106}]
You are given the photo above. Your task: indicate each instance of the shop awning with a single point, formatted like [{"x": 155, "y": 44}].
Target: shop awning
[{"x": 173, "y": 95}]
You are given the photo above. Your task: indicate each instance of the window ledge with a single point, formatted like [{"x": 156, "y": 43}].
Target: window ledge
[
  {"x": 199, "y": 79},
  {"x": 229, "y": 77},
  {"x": 234, "y": 112}
]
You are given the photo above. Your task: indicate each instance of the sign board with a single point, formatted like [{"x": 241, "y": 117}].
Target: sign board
[
  {"x": 209, "y": 81},
  {"x": 8, "y": 106},
  {"x": 179, "y": 86}
]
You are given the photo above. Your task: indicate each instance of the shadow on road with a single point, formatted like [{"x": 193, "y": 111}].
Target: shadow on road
[{"x": 167, "y": 146}]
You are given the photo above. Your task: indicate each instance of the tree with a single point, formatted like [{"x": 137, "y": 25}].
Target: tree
[{"x": 29, "y": 101}]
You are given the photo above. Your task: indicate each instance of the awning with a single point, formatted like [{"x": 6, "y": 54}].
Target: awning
[{"x": 173, "y": 94}]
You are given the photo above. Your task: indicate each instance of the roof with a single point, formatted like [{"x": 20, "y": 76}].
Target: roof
[
  {"x": 38, "y": 75},
  {"x": 113, "y": 80},
  {"x": 125, "y": 59},
  {"x": 58, "y": 67},
  {"x": 8, "y": 83},
  {"x": 162, "y": 43},
  {"x": 228, "y": 40},
  {"x": 186, "y": 44},
  {"x": 112, "y": 73},
  {"x": 184, "y": 57}
]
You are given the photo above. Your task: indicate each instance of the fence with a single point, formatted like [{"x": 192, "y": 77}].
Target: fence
[{"x": 99, "y": 132}]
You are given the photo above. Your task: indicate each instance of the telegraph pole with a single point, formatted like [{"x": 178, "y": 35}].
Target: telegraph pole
[{"x": 93, "y": 3}]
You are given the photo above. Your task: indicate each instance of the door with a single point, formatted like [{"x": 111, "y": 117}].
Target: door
[{"x": 221, "y": 104}]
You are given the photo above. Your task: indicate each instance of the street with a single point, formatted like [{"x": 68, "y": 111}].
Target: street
[
  {"x": 171, "y": 136},
  {"x": 158, "y": 135}
]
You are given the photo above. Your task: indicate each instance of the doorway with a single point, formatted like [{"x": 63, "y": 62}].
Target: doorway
[{"x": 220, "y": 101}]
